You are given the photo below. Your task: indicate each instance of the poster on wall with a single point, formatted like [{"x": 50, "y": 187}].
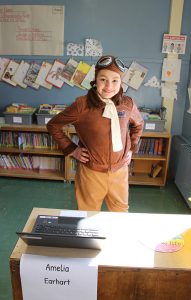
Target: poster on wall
[
  {"x": 31, "y": 30},
  {"x": 175, "y": 44}
]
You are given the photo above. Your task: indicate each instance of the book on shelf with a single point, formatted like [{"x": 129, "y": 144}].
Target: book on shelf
[
  {"x": 138, "y": 146},
  {"x": 150, "y": 146},
  {"x": 131, "y": 168},
  {"x": 156, "y": 144},
  {"x": 147, "y": 146},
  {"x": 155, "y": 170},
  {"x": 160, "y": 146}
]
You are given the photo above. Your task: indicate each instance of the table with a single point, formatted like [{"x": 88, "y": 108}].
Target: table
[{"x": 129, "y": 268}]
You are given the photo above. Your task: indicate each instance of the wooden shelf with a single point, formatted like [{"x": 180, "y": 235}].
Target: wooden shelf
[
  {"x": 36, "y": 151},
  {"x": 141, "y": 169},
  {"x": 148, "y": 157},
  {"x": 41, "y": 152},
  {"x": 23, "y": 128},
  {"x": 142, "y": 163},
  {"x": 33, "y": 174},
  {"x": 145, "y": 179}
]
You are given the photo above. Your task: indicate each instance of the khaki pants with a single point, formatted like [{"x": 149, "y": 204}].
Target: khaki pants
[{"x": 93, "y": 187}]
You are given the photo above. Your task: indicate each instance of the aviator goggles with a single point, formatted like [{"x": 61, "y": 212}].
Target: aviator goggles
[{"x": 106, "y": 61}]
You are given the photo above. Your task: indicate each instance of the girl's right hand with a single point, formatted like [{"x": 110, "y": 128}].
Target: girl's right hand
[{"x": 81, "y": 154}]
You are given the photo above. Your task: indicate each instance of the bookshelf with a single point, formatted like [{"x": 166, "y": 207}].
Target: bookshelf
[
  {"x": 27, "y": 151},
  {"x": 142, "y": 163},
  {"x": 64, "y": 168}
]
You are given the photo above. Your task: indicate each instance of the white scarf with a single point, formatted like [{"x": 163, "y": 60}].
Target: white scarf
[{"x": 110, "y": 112}]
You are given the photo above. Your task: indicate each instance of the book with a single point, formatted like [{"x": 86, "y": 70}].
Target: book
[
  {"x": 9, "y": 72},
  {"x": 148, "y": 144},
  {"x": 151, "y": 149},
  {"x": 31, "y": 75},
  {"x": 44, "y": 70},
  {"x": 80, "y": 73},
  {"x": 68, "y": 71},
  {"x": 54, "y": 75},
  {"x": 20, "y": 74},
  {"x": 3, "y": 65},
  {"x": 156, "y": 146},
  {"x": 135, "y": 75},
  {"x": 131, "y": 168},
  {"x": 90, "y": 76},
  {"x": 155, "y": 170},
  {"x": 160, "y": 147}
]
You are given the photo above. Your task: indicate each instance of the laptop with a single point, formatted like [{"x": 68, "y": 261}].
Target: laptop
[{"x": 66, "y": 232}]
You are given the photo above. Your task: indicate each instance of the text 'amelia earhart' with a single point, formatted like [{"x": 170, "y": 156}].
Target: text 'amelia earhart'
[{"x": 56, "y": 281}]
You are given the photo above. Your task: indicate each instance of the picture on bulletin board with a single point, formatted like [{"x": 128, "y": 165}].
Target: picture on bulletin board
[
  {"x": 54, "y": 76},
  {"x": 134, "y": 75}
]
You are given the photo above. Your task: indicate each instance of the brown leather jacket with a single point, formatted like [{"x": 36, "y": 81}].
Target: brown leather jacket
[{"x": 95, "y": 133}]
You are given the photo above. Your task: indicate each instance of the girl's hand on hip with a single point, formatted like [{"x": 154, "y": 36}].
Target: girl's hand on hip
[{"x": 81, "y": 154}]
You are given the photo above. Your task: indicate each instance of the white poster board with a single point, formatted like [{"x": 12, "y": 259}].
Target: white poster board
[{"x": 31, "y": 30}]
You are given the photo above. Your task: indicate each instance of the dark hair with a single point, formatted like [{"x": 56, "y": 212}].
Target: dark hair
[{"x": 93, "y": 99}]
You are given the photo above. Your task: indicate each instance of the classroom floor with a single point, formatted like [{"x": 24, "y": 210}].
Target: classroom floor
[{"x": 19, "y": 196}]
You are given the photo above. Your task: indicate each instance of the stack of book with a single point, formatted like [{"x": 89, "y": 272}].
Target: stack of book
[
  {"x": 51, "y": 109},
  {"x": 20, "y": 108},
  {"x": 150, "y": 146}
]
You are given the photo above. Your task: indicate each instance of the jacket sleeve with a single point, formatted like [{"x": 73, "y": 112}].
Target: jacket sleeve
[
  {"x": 136, "y": 127},
  {"x": 56, "y": 128}
]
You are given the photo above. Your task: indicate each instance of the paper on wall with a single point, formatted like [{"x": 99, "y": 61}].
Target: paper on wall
[
  {"x": 93, "y": 47},
  {"x": 75, "y": 49},
  {"x": 44, "y": 70},
  {"x": 175, "y": 44},
  {"x": 32, "y": 30},
  {"x": 20, "y": 74},
  {"x": 90, "y": 76},
  {"x": 153, "y": 82},
  {"x": 3, "y": 65},
  {"x": 9, "y": 72},
  {"x": 171, "y": 69},
  {"x": 169, "y": 91},
  {"x": 134, "y": 75}
]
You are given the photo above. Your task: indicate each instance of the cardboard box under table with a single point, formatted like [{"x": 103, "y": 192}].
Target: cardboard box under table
[
  {"x": 128, "y": 266},
  {"x": 19, "y": 118}
]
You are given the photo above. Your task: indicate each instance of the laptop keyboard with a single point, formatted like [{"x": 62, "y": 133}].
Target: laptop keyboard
[{"x": 59, "y": 230}]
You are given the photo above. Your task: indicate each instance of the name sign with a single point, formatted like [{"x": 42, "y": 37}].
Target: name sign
[{"x": 58, "y": 278}]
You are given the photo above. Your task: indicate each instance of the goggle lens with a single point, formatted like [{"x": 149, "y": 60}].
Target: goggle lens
[{"x": 107, "y": 60}]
